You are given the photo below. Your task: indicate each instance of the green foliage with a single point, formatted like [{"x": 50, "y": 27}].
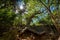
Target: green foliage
[
  {"x": 35, "y": 14},
  {"x": 7, "y": 17},
  {"x": 33, "y": 8}
]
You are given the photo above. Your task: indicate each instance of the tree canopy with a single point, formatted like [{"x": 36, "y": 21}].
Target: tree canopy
[{"x": 17, "y": 13}]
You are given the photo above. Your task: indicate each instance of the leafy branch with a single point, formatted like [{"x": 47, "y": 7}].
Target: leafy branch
[{"x": 52, "y": 17}]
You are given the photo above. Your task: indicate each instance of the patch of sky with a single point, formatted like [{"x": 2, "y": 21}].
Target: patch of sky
[
  {"x": 40, "y": 17},
  {"x": 44, "y": 14},
  {"x": 52, "y": 8},
  {"x": 20, "y": 4},
  {"x": 42, "y": 9},
  {"x": 34, "y": 20}
]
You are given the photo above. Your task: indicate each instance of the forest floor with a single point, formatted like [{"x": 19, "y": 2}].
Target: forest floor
[{"x": 31, "y": 36}]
